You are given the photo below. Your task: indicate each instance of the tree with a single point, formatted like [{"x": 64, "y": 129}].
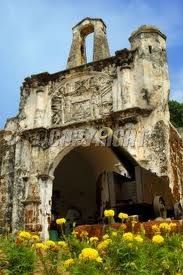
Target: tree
[{"x": 176, "y": 113}]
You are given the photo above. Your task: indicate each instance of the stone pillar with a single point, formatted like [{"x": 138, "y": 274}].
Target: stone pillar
[
  {"x": 31, "y": 207},
  {"x": 125, "y": 92},
  {"x": 31, "y": 216},
  {"x": 40, "y": 107},
  {"x": 4, "y": 203},
  {"x": 7, "y": 157},
  {"x": 46, "y": 186},
  {"x": 77, "y": 55},
  {"x": 101, "y": 47}
]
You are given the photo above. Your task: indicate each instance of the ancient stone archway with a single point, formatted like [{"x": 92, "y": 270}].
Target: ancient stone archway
[
  {"x": 127, "y": 92},
  {"x": 75, "y": 182}
]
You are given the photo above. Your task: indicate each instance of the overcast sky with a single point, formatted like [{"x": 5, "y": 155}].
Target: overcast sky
[{"x": 36, "y": 37}]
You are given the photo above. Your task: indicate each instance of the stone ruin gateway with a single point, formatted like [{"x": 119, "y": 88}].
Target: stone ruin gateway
[{"x": 49, "y": 161}]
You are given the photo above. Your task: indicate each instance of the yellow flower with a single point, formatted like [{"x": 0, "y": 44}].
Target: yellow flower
[
  {"x": 139, "y": 239},
  {"x": 24, "y": 235},
  {"x": 109, "y": 213},
  {"x": 50, "y": 244},
  {"x": 155, "y": 229},
  {"x": 74, "y": 233},
  {"x": 123, "y": 216},
  {"x": 173, "y": 226},
  {"x": 158, "y": 239},
  {"x": 99, "y": 259},
  {"x": 164, "y": 227},
  {"x": 63, "y": 244},
  {"x": 104, "y": 244},
  {"x": 60, "y": 221},
  {"x": 40, "y": 246},
  {"x": 105, "y": 237},
  {"x": 84, "y": 234},
  {"x": 93, "y": 239},
  {"x": 123, "y": 226},
  {"x": 114, "y": 234},
  {"x": 68, "y": 262},
  {"x": 88, "y": 254},
  {"x": 128, "y": 236},
  {"x": 35, "y": 238}
]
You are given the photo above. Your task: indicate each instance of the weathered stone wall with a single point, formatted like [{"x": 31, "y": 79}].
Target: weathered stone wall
[
  {"x": 7, "y": 159},
  {"x": 132, "y": 86},
  {"x": 176, "y": 154},
  {"x": 127, "y": 92}
]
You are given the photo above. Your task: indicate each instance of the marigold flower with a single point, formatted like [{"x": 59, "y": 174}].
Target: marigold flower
[
  {"x": 60, "y": 221},
  {"x": 155, "y": 229},
  {"x": 84, "y": 234},
  {"x": 50, "y": 243},
  {"x": 123, "y": 216},
  {"x": 158, "y": 239},
  {"x": 109, "y": 213},
  {"x": 24, "y": 235},
  {"x": 99, "y": 259},
  {"x": 68, "y": 262},
  {"x": 164, "y": 227},
  {"x": 63, "y": 244},
  {"x": 93, "y": 239},
  {"x": 139, "y": 239},
  {"x": 105, "y": 237},
  {"x": 88, "y": 254},
  {"x": 172, "y": 225},
  {"x": 35, "y": 238},
  {"x": 40, "y": 246},
  {"x": 104, "y": 244},
  {"x": 128, "y": 236}
]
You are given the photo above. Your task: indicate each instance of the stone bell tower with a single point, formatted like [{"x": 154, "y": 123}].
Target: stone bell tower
[{"x": 77, "y": 54}]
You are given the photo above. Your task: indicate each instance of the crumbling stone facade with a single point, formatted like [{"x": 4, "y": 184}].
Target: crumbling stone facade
[{"x": 59, "y": 112}]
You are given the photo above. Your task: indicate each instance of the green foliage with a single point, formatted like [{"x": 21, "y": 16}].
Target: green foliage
[
  {"x": 90, "y": 268},
  {"x": 176, "y": 113},
  {"x": 133, "y": 255},
  {"x": 20, "y": 259},
  {"x": 147, "y": 258}
]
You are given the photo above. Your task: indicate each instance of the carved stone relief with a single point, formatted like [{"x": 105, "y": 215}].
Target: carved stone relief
[{"x": 82, "y": 97}]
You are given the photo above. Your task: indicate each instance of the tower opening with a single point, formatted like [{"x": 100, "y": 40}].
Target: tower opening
[{"x": 89, "y": 41}]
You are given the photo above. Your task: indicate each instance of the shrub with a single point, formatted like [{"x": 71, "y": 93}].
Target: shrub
[
  {"x": 118, "y": 252},
  {"x": 20, "y": 259}
]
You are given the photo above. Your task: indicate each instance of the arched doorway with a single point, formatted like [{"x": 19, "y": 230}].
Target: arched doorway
[{"x": 75, "y": 190}]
